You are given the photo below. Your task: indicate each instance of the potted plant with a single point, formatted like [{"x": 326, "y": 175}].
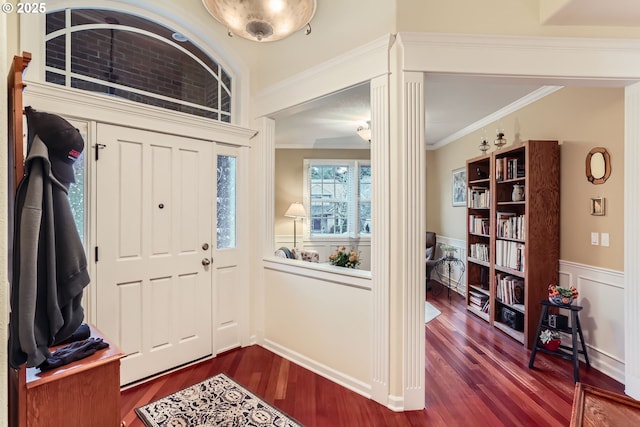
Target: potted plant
[
  {"x": 449, "y": 251},
  {"x": 550, "y": 339}
]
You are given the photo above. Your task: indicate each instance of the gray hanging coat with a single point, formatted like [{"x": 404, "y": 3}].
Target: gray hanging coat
[{"x": 50, "y": 266}]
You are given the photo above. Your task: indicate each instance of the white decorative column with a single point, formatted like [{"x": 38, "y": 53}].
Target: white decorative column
[
  {"x": 632, "y": 240},
  {"x": 412, "y": 231},
  {"x": 263, "y": 158},
  {"x": 380, "y": 238},
  {"x": 266, "y": 153}
]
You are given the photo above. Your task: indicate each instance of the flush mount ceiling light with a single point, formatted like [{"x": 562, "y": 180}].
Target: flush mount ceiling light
[
  {"x": 262, "y": 20},
  {"x": 364, "y": 132}
]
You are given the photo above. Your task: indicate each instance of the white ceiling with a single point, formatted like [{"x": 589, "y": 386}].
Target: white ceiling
[
  {"x": 455, "y": 104},
  {"x": 614, "y": 13}
]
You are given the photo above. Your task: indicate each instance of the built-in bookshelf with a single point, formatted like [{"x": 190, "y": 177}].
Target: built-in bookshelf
[{"x": 513, "y": 208}]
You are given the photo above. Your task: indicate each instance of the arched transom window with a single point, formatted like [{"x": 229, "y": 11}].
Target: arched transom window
[{"x": 131, "y": 57}]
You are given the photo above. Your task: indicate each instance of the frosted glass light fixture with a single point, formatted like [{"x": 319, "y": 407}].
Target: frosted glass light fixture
[
  {"x": 364, "y": 132},
  {"x": 262, "y": 20}
]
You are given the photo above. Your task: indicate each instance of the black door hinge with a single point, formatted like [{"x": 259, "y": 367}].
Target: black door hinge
[
  {"x": 98, "y": 148},
  {"x": 95, "y": 256}
]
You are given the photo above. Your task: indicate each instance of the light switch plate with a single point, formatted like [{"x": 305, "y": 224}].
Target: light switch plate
[
  {"x": 594, "y": 238},
  {"x": 604, "y": 239}
]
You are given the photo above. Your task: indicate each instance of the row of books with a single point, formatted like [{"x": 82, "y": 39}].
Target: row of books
[
  {"x": 479, "y": 300},
  {"x": 478, "y": 225},
  {"x": 509, "y": 168},
  {"x": 510, "y": 254},
  {"x": 479, "y": 251},
  {"x": 510, "y": 225},
  {"x": 478, "y": 197},
  {"x": 509, "y": 289}
]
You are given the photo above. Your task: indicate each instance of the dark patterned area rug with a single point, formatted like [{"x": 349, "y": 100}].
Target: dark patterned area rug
[{"x": 218, "y": 401}]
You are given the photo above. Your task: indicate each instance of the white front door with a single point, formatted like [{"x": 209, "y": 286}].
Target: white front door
[
  {"x": 154, "y": 237},
  {"x": 231, "y": 296}
]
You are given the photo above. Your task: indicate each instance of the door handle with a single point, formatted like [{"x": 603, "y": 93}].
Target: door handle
[{"x": 206, "y": 261}]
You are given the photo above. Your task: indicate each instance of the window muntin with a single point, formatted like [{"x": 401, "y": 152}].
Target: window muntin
[
  {"x": 364, "y": 199},
  {"x": 338, "y": 198},
  {"x": 131, "y": 57}
]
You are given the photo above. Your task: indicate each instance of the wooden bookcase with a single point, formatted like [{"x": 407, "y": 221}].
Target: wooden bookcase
[{"x": 513, "y": 244}]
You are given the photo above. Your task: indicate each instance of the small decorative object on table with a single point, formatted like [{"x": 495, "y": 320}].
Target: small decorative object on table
[
  {"x": 343, "y": 258},
  {"x": 550, "y": 339},
  {"x": 449, "y": 251},
  {"x": 562, "y": 296}
]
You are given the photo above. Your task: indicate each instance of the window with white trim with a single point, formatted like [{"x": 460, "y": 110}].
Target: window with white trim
[
  {"x": 131, "y": 57},
  {"x": 337, "y": 198}
]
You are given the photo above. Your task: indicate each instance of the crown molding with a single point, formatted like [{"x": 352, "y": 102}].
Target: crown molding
[
  {"x": 356, "y": 66},
  {"x": 494, "y": 117}
]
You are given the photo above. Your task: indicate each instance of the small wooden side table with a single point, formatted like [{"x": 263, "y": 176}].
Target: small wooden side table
[{"x": 566, "y": 352}]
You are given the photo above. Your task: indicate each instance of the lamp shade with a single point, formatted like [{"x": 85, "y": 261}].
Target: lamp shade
[
  {"x": 296, "y": 211},
  {"x": 262, "y": 20}
]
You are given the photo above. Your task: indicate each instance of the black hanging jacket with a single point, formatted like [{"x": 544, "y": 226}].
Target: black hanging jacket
[{"x": 50, "y": 266}]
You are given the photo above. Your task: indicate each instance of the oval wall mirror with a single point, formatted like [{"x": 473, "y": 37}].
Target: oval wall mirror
[{"x": 598, "y": 165}]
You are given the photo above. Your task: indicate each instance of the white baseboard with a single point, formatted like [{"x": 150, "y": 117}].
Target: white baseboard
[
  {"x": 632, "y": 387},
  {"x": 396, "y": 403},
  {"x": 346, "y": 381}
]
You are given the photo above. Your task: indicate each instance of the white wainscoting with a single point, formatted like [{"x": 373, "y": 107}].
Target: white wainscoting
[
  {"x": 326, "y": 247},
  {"x": 601, "y": 293}
]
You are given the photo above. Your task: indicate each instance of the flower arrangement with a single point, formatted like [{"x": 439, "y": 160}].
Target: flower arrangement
[
  {"x": 560, "y": 295},
  {"x": 343, "y": 258},
  {"x": 550, "y": 339}
]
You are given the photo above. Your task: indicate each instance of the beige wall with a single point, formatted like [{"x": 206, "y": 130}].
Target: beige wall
[
  {"x": 581, "y": 119},
  {"x": 491, "y": 17},
  {"x": 288, "y": 180}
]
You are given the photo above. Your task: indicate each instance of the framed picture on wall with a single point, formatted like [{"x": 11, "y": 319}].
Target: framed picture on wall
[
  {"x": 597, "y": 206},
  {"x": 459, "y": 187}
]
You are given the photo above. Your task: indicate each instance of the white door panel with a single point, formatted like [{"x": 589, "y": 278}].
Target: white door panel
[
  {"x": 154, "y": 215},
  {"x": 230, "y": 277}
]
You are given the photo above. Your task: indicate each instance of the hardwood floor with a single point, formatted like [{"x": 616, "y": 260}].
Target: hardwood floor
[{"x": 475, "y": 376}]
